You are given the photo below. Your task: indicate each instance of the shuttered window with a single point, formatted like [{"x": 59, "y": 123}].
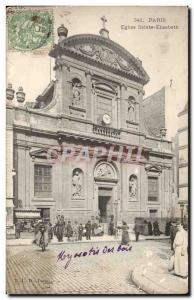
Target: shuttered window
[
  {"x": 153, "y": 188},
  {"x": 42, "y": 181}
]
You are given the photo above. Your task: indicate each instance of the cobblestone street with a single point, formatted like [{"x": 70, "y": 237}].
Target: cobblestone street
[{"x": 31, "y": 271}]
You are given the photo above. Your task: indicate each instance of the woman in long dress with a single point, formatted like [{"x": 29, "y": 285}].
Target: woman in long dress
[
  {"x": 180, "y": 252},
  {"x": 41, "y": 233},
  {"x": 125, "y": 234},
  {"x": 60, "y": 230}
]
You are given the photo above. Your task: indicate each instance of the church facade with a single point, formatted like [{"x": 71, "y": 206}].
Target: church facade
[{"x": 83, "y": 148}]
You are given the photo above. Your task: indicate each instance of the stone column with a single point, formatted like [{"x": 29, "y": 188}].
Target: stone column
[
  {"x": 118, "y": 108},
  {"x": 123, "y": 106},
  {"x": 10, "y": 173},
  {"x": 89, "y": 102},
  {"x": 66, "y": 85},
  {"x": 63, "y": 86},
  {"x": 140, "y": 100}
]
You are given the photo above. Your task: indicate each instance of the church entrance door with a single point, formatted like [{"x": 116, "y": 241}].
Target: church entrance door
[
  {"x": 105, "y": 191},
  {"x": 105, "y": 203}
]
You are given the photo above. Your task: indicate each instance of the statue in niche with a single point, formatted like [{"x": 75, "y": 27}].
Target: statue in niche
[
  {"x": 133, "y": 186},
  {"x": 131, "y": 111},
  {"x": 77, "y": 184},
  {"x": 76, "y": 93},
  {"x": 104, "y": 171}
]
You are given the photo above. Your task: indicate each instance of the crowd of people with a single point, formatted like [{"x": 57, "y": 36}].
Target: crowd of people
[{"x": 74, "y": 231}]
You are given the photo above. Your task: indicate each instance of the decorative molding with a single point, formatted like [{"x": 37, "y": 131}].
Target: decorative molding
[
  {"x": 89, "y": 72},
  {"x": 77, "y": 108},
  {"x": 133, "y": 123},
  {"x": 153, "y": 169},
  {"x": 101, "y": 50},
  {"x": 105, "y": 172},
  {"x": 106, "y": 131}
]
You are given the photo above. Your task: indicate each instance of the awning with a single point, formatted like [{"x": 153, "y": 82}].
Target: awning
[{"x": 27, "y": 214}]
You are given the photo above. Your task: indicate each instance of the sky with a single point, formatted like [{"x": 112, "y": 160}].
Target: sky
[{"x": 163, "y": 52}]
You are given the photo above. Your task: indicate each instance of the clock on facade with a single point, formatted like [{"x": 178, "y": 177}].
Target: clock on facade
[{"x": 106, "y": 119}]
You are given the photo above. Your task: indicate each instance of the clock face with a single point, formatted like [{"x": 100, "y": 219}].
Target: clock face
[{"x": 106, "y": 119}]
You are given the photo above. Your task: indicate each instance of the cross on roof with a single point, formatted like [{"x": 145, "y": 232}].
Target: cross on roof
[{"x": 104, "y": 20}]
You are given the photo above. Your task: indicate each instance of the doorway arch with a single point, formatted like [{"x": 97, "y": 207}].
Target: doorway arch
[{"x": 106, "y": 190}]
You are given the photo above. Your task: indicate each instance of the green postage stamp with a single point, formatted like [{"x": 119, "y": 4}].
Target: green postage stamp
[{"x": 29, "y": 29}]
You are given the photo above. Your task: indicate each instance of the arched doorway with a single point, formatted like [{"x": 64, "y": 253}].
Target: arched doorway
[{"x": 105, "y": 191}]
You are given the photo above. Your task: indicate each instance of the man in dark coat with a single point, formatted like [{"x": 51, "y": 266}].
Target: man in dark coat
[
  {"x": 156, "y": 228},
  {"x": 150, "y": 232},
  {"x": 137, "y": 231},
  {"x": 93, "y": 226},
  {"x": 80, "y": 232},
  {"x": 173, "y": 231},
  {"x": 17, "y": 229},
  {"x": 50, "y": 231},
  {"x": 111, "y": 228},
  {"x": 88, "y": 227},
  {"x": 69, "y": 231},
  {"x": 167, "y": 228}
]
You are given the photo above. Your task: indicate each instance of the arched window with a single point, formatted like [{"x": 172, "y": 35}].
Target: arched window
[
  {"x": 76, "y": 92},
  {"x": 133, "y": 187},
  {"x": 77, "y": 183},
  {"x": 131, "y": 109}
]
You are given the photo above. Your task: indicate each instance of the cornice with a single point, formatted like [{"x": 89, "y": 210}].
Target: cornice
[{"x": 62, "y": 47}]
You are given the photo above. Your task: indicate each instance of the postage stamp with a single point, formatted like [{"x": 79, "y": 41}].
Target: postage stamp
[{"x": 29, "y": 29}]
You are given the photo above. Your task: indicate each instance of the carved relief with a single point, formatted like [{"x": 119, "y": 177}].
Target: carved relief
[
  {"x": 106, "y": 56},
  {"x": 105, "y": 171},
  {"x": 76, "y": 91},
  {"x": 77, "y": 183},
  {"x": 131, "y": 110},
  {"x": 133, "y": 187}
]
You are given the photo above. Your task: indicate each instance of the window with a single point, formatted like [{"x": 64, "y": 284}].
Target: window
[
  {"x": 152, "y": 188},
  {"x": 104, "y": 106},
  {"x": 42, "y": 181},
  {"x": 153, "y": 213}
]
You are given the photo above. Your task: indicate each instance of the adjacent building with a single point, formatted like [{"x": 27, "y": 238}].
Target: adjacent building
[{"x": 183, "y": 161}]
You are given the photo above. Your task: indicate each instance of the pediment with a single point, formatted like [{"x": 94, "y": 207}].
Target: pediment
[
  {"x": 39, "y": 153},
  {"x": 153, "y": 168},
  {"x": 105, "y": 52},
  {"x": 44, "y": 153}
]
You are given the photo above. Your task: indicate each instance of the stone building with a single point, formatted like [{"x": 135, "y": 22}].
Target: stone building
[
  {"x": 82, "y": 149},
  {"x": 183, "y": 161},
  {"x": 162, "y": 113}
]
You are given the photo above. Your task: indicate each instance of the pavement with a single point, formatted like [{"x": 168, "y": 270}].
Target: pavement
[
  {"x": 142, "y": 270},
  {"x": 31, "y": 271},
  {"x": 154, "y": 278},
  {"x": 27, "y": 239}
]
